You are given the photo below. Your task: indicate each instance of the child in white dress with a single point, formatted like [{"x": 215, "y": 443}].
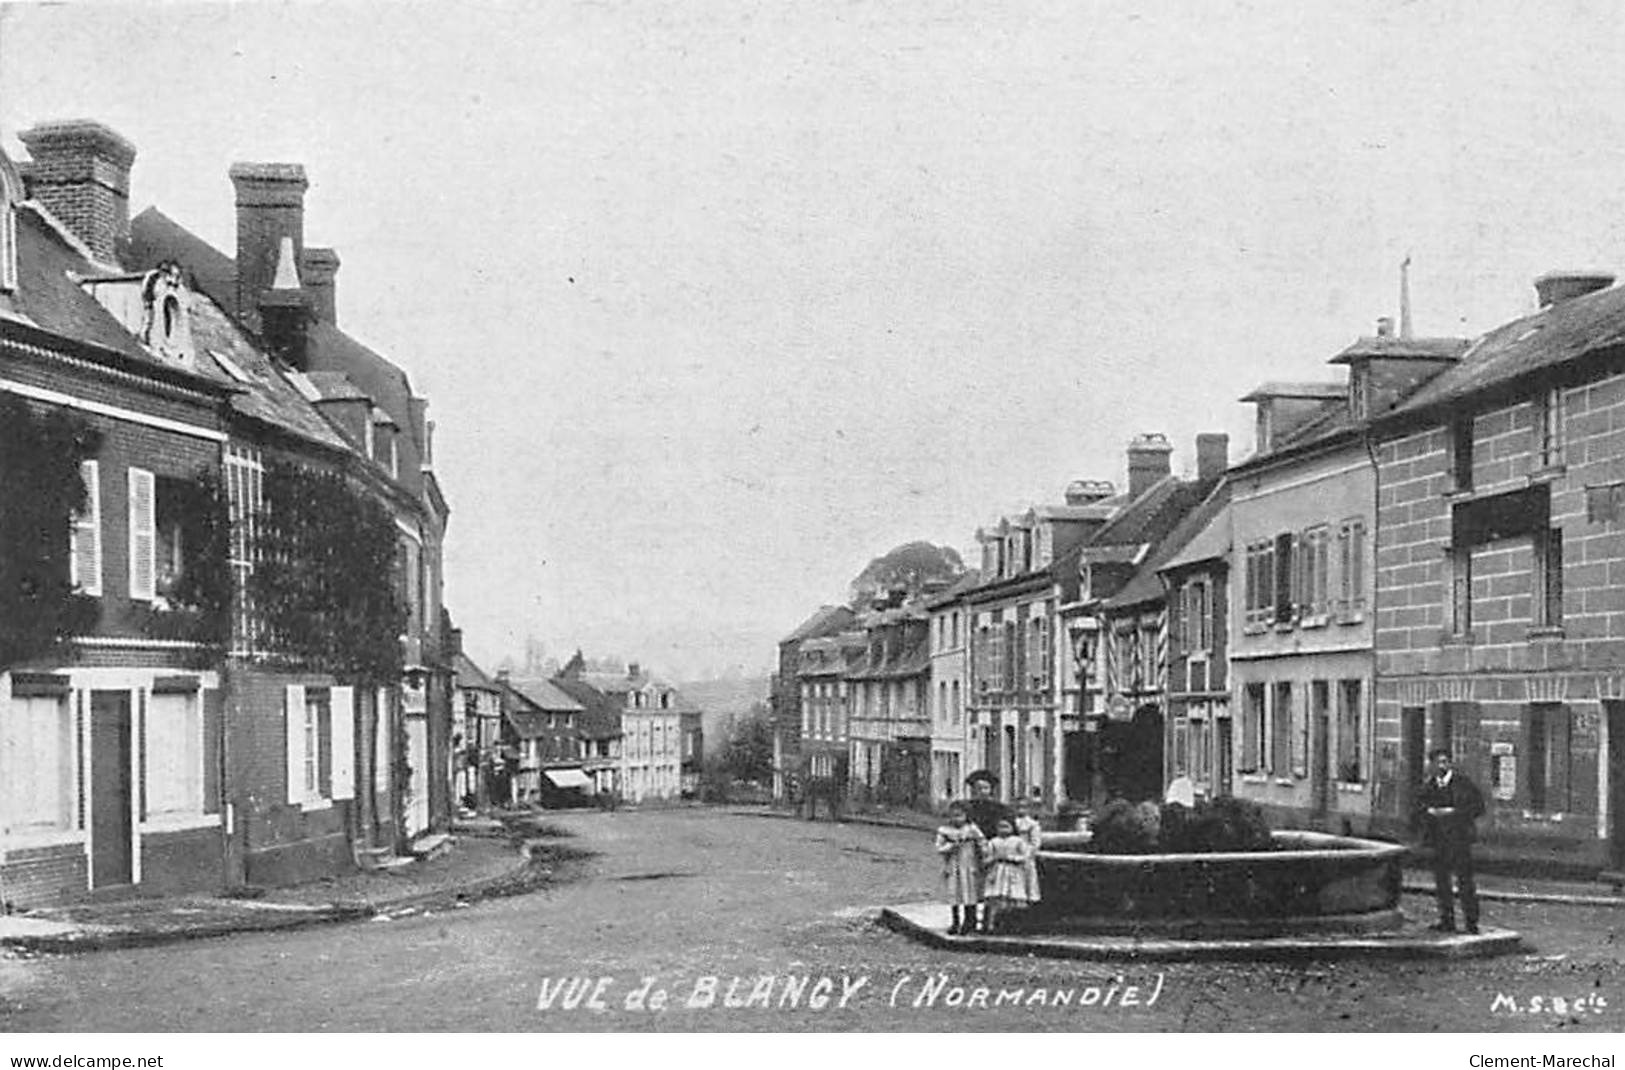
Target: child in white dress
[
  {"x": 1006, "y": 887},
  {"x": 1028, "y": 829},
  {"x": 960, "y": 845}
]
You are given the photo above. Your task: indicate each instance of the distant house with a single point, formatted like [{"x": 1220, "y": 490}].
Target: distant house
[
  {"x": 541, "y": 741},
  {"x": 479, "y": 776},
  {"x": 649, "y": 713},
  {"x": 785, "y": 696}
]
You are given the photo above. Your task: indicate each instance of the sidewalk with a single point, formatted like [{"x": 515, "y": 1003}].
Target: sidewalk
[
  {"x": 1418, "y": 880},
  {"x": 483, "y": 862}
]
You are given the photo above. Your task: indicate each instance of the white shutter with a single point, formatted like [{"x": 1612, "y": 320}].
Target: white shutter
[
  {"x": 343, "y": 742},
  {"x": 85, "y": 558},
  {"x": 294, "y": 721},
  {"x": 143, "y": 536}
]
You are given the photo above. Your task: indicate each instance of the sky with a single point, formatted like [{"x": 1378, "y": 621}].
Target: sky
[{"x": 715, "y": 302}]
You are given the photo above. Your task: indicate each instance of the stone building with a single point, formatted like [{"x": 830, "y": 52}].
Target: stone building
[
  {"x": 1500, "y": 578},
  {"x": 785, "y": 694}
]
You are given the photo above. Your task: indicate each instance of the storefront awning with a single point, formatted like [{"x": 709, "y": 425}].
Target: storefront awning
[{"x": 567, "y": 779}]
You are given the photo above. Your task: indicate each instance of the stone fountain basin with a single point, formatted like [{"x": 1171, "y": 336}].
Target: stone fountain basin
[{"x": 1312, "y": 882}]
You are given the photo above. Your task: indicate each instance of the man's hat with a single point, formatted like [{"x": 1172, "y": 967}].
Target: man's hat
[{"x": 982, "y": 776}]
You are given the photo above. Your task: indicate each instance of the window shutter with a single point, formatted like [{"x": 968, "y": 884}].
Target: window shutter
[
  {"x": 343, "y": 730},
  {"x": 294, "y": 722},
  {"x": 85, "y": 559},
  {"x": 143, "y": 532}
]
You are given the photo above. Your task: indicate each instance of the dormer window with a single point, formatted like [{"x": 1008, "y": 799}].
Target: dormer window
[{"x": 166, "y": 327}]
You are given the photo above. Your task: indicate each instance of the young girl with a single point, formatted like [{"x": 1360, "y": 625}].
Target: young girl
[
  {"x": 1006, "y": 887},
  {"x": 1028, "y": 829},
  {"x": 960, "y": 844}
]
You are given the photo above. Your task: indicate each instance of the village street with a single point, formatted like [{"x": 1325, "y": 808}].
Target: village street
[{"x": 695, "y": 899}]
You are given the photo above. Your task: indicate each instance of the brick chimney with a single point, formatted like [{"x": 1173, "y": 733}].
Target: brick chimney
[
  {"x": 1212, "y": 456},
  {"x": 80, "y": 172},
  {"x": 1148, "y": 461},
  {"x": 270, "y": 208},
  {"x": 318, "y": 268}
]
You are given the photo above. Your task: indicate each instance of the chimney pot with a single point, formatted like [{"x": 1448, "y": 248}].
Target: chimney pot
[
  {"x": 80, "y": 171},
  {"x": 1088, "y": 491},
  {"x": 319, "y": 268},
  {"x": 1385, "y": 327},
  {"x": 1555, "y": 287}
]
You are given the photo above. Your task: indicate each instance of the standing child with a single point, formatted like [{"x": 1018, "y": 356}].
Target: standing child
[
  {"x": 1006, "y": 887},
  {"x": 960, "y": 845},
  {"x": 1028, "y": 829}
]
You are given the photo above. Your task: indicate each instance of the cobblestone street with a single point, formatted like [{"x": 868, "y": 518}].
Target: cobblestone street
[{"x": 753, "y": 923}]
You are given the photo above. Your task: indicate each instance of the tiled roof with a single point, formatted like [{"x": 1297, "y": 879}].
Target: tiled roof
[
  {"x": 1281, "y": 389},
  {"x": 51, "y": 299},
  {"x": 601, "y": 718},
  {"x": 1393, "y": 347},
  {"x": 268, "y": 396},
  {"x": 1210, "y": 543},
  {"x": 336, "y": 386},
  {"x": 547, "y": 695},
  {"x": 1145, "y": 585},
  {"x": 1152, "y": 515},
  {"x": 827, "y": 620},
  {"x": 154, "y": 237},
  {"x": 471, "y": 675},
  {"x": 1554, "y": 336}
]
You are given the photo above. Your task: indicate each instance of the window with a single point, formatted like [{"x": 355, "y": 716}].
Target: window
[
  {"x": 1282, "y": 722},
  {"x": 953, "y": 631},
  {"x": 1261, "y": 583},
  {"x": 942, "y": 701},
  {"x": 1198, "y": 622},
  {"x": 244, "y": 475},
  {"x": 1313, "y": 585},
  {"x": 1252, "y": 729},
  {"x": 85, "y": 538},
  {"x": 173, "y": 755},
  {"x": 1461, "y": 591},
  {"x": 41, "y": 787},
  {"x": 1549, "y": 426},
  {"x": 1351, "y": 566},
  {"x": 1038, "y": 653},
  {"x": 319, "y": 746},
  {"x": 1549, "y": 578},
  {"x": 1461, "y": 453},
  {"x": 1285, "y": 578},
  {"x": 1548, "y": 782},
  {"x": 953, "y": 699},
  {"x": 1350, "y": 732}
]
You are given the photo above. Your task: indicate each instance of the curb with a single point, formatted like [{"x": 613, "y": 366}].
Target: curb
[
  {"x": 907, "y": 921},
  {"x": 526, "y": 876},
  {"x": 1495, "y": 895}
]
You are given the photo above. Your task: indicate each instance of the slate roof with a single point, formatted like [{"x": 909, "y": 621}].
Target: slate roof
[
  {"x": 1212, "y": 542},
  {"x": 529, "y": 724},
  {"x": 336, "y": 386},
  {"x": 1393, "y": 347},
  {"x": 1150, "y": 516},
  {"x": 1554, "y": 336}
]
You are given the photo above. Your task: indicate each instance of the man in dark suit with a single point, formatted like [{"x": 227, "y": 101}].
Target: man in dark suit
[{"x": 1446, "y": 808}]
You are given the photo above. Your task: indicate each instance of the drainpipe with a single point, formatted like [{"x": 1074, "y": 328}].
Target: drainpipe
[{"x": 1376, "y": 529}]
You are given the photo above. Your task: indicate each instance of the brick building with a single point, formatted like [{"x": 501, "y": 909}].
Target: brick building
[
  {"x": 785, "y": 694},
  {"x": 283, "y": 293},
  {"x": 1500, "y": 578}
]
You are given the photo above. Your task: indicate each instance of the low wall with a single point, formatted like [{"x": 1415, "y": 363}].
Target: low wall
[{"x": 1312, "y": 882}]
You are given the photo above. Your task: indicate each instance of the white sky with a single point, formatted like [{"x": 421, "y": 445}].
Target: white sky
[{"x": 715, "y": 302}]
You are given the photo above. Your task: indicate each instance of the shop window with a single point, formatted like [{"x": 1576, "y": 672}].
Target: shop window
[
  {"x": 40, "y": 788},
  {"x": 172, "y": 773}
]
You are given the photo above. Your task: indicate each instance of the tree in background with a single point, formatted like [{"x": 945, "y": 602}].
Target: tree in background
[{"x": 912, "y": 567}]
